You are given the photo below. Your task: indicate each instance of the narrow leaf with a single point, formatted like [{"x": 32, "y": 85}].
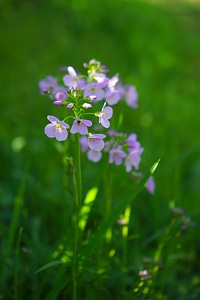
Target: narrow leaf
[
  {"x": 87, "y": 205},
  {"x": 87, "y": 250},
  {"x": 49, "y": 265}
]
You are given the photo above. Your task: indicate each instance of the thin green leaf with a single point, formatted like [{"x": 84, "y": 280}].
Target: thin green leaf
[
  {"x": 87, "y": 250},
  {"x": 49, "y": 265},
  {"x": 86, "y": 208}
]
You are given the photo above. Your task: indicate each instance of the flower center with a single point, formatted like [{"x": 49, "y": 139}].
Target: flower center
[{"x": 58, "y": 126}]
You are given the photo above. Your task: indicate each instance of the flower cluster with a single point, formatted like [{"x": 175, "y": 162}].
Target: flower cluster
[
  {"x": 185, "y": 220},
  {"x": 121, "y": 148},
  {"x": 78, "y": 95}
]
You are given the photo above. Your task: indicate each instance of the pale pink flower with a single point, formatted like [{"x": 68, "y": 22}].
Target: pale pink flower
[
  {"x": 95, "y": 141},
  {"x": 104, "y": 116},
  {"x": 131, "y": 96},
  {"x": 112, "y": 97},
  {"x": 72, "y": 80},
  {"x": 116, "y": 156},
  {"x": 133, "y": 159},
  {"x": 57, "y": 129},
  {"x": 94, "y": 89},
  {"x": 150, "y": 185},
  {"x": 81, "y": 126},
  {"x": 94, "y": 155}
]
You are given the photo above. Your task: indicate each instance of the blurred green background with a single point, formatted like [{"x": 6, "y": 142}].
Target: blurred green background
[{"x": 153, "y": 46}]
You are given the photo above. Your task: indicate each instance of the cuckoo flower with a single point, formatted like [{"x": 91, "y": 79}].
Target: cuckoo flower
[
  {"x": 72, "y": 80},
  {"x": 133, "y": 159},
  {"x": 81, "y": 126},
  {"x": 95, "y": 141},
  {"x": 94, "y": 89},
  {"x": 94, "y": 155},
  {"x": 50, "y": 86},
  {"x": 101, "y": 79},
  {"x": 47, "y": 83},
  {"x": 116, "y": 156},
  {"x": 131, "y": 96},
  {"x": 150, "y": 185},
  {"x": 60, "y": 96},
  {"x": 57, "y": 129},
  {"x": 113, "y": 82},
  {"x": 84, "y": 143},
  {"x": 105, "y": 114},
  {"x": 113, "y": 95}
]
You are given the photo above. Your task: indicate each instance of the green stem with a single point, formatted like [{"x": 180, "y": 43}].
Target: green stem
[
  {"x": 74, "y": 270},
  {"x": 78, "y": 199},
  {"x": 78, "y": 172}
]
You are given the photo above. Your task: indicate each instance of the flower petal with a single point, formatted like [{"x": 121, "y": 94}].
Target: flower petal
[{"x": 50, "y": 130}]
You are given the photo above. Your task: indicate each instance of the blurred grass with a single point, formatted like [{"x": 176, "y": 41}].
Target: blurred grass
[{"x": 154, "y": 47}]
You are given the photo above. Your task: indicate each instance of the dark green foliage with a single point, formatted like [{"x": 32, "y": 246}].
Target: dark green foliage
[{"x": 157, "y": 49}]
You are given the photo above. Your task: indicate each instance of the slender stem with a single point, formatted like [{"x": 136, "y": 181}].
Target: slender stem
[
  {"x": 78, "y": 172},
  {"x": 78, "y": 199},
  {"x": 74, "y": 271}
]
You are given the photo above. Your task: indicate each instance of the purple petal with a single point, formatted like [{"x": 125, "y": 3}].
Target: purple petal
[
  {"x": 65, "y": 125},
  {"x": 104, "y": 122},
  {"x": 52, "y": 119},
  {"x": 94, "y": 155},
  {"x": 61, "y": 134},
  {"x": 87, "y": 122},
  {"x": 95, "y": 143},
  {"x": 50, "y": 130}
]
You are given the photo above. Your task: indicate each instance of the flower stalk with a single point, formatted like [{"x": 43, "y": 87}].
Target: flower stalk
[
  {"x": 78, "y": 202},
  {"x": 75, "y": 96}
]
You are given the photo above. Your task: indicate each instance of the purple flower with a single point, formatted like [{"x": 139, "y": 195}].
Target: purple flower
[
  {"x": 94, "y": 89},
  {"x": 84, "y": 143},
  {"x": 132, "y": 138},
  {"x": 113, "y": 94},
  {"x": 105, "y": 114},
  {"x": 133, "y": 159},
  {"x": 81, "y": 126},
  {"x": 47, "y": 83},
  {"x": 58, "y": 102},
  {"x": 112, "y": 83},
  {"x": 101, "y": 79},
  {"x": 60, "y": 96},
  {"x": 94, "y": 155},
  {"x": 150, "y": 185},
  {"x": 116, "y": 156},
  {"x": 95, "y": 141},
  {"x": 58, "y": 90},
  {"x": 57, "y": 129},
  {"x": 131, "y": 96},
  {"x": 72, "y": 80},
  {"x": 112, "y": 97},
  {"x": 69, "y": 105},
  {"x": 133, "y": 144}
]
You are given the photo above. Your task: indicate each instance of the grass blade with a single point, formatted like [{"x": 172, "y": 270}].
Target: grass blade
[{"x": 87, "y": 250}]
